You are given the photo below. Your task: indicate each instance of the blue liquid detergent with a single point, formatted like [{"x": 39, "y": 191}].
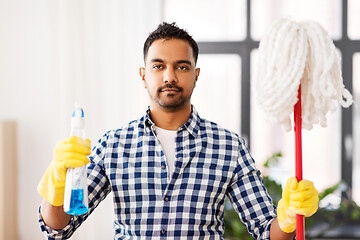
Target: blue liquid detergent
[{"x": 77, "y": 206}]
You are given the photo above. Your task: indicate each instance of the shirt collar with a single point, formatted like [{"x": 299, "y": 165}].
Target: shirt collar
[{"x": 192, "y": 125}]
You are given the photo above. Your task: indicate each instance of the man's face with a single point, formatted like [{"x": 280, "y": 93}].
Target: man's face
[{"x": 170, "y": 74}]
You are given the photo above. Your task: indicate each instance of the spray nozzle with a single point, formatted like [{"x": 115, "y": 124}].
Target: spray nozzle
[{"x": 77, "y": 120}]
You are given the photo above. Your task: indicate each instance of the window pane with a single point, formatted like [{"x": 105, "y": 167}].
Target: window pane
[
  {"x": 353, "y": 19},
  {"x": 325, "y": 12},
  {"x": 356, "y": 128},
  {"x": 267, "y": 139},
  {"x": 209, "y": 20},
  {"x": 217, "y": 92}
]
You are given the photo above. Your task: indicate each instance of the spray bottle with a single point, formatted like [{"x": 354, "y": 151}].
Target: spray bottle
[{"x": 76, "y": 195}]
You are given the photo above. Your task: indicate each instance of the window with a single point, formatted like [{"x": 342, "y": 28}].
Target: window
[
  {"x": 217, "y": 92},
  {"x": 325, "y": 12},
  {"x": 353, "y": 19},
  {"x": 209, "y": 20}
]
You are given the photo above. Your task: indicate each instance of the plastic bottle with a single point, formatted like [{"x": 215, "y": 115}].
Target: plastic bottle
[{"x": 76, "y": 194}]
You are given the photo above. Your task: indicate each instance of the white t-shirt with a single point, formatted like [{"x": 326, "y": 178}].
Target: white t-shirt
[{"x": 167, "y": 141}]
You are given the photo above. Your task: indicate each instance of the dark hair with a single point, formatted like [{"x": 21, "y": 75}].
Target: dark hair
[{"x": 169, "y": 31}]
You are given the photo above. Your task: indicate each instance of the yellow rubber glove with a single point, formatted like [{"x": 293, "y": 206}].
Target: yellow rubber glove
[
  {"x": 297, "y": 198},
  {"x": 71, "y": 152}
]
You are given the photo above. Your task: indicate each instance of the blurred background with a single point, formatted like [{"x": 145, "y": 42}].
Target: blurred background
[{"x": 58, "y": 52}]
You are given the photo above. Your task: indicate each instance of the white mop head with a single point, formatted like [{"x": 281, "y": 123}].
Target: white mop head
[{"x": 292, "y": 52}]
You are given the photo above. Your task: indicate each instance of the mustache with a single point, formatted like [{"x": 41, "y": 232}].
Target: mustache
[{"x": 170, "y": 85}]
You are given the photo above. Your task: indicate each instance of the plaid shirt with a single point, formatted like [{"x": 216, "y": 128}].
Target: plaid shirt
[{"x": 211, "y": 163}]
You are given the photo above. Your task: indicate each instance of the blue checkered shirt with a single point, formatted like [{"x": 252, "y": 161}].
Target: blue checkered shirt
[{"x": 211, "y": 163}]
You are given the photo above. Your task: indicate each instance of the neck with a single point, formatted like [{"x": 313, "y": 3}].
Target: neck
[{"x": 170, "y": 119}]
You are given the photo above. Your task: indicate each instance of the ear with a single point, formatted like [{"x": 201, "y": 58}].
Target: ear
[
  {"x": 197, "y": 73},
  {"x": 142, "y": 75}
]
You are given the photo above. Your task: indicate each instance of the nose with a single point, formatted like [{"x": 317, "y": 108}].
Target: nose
[{"x": 169, "y": 76}]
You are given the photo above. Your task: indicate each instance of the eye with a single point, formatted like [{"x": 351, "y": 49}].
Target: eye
[
  {"x": 156, "y": 67},
  {"x": 183, "y": 68}
]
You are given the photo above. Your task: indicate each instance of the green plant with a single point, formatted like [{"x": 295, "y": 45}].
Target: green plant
[{"x": 347, "y": 213}]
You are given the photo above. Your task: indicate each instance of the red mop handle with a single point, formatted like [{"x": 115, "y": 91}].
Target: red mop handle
[{"x": 298, "y": 161}]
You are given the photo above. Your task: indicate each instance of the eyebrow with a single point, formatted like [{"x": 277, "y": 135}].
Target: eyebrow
[
  {"x": 178, "y": 62},
  {"x": 184, "y": 61},
  {"x": 156, "y": 60}
]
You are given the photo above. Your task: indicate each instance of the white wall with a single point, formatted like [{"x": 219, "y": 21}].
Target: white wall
[{"x": 53, "y": 53}]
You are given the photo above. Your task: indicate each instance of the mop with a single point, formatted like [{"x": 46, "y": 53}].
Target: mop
[{"x": 298, "y": 71}]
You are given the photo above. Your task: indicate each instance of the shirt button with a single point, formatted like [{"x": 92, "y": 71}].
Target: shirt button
[
  {"x": 166, "y": 199},
  {"x": 163, "y": 166},
  {"x": 163, "y": 231}
]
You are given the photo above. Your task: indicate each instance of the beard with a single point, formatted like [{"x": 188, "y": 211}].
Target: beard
[{"x": 173, "y": 100}]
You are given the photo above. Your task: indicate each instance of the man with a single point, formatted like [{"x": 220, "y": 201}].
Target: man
[{"x": 171, "y": 170}]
